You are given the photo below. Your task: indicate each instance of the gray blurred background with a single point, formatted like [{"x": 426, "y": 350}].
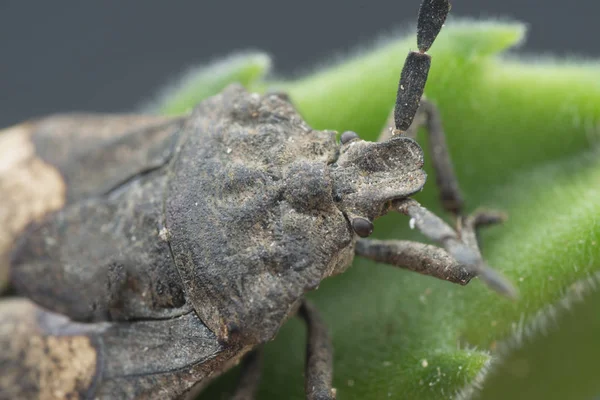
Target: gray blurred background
[{"x": 110, "y": 55}]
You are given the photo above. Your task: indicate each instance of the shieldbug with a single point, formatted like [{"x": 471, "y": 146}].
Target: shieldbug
[{"x": 158, "y": 252}]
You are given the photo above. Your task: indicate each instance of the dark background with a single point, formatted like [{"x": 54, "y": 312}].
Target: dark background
[{"x": 110, "y": 55}]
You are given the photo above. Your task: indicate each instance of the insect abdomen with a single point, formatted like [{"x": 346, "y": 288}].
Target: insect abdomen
[
  {"x": 56, "y": 161},
  {"x": 103, "y": 259}
]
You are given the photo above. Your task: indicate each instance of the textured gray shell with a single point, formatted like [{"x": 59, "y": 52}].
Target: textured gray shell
[
  {"x": 250, "y": 212},
  {"x": 250, "y": 224},
  {"x": 187, "y": 241}
]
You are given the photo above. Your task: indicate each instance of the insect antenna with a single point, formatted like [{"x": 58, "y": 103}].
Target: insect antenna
[{"x": 432, "y": 16}]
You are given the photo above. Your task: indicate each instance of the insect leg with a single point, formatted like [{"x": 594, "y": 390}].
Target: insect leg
[
  {"x": 463, "y": 248},
  {"x": 470, "y": 226},
  {"x": 249, "y": 380},
  {"x": 427, "y": 259},
  {"x": 319, "y": 355},
  {"x": 449, "y": 190},
  {"x": 423, "y": 258}
]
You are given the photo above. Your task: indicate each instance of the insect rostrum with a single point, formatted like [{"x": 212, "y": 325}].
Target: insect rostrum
[{"x": 173, "y": 247}]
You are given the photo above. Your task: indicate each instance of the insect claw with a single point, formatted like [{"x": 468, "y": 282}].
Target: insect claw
[
  {"x": 472, "y": 261},
  {"x": 486, "y": 218},
  {"x": 498, "y": 283},
  {"x": 464, "y": 250}
]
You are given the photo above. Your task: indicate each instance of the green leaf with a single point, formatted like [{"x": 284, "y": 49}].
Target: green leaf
[
  {"x": 522, "y": 134},
  {"x": 205, "y": 81},
  {"x": 556, "y": 355}
]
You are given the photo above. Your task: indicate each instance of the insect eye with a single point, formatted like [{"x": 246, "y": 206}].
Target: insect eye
[
  {"x": 348, "y": 136},
  {"x": 362, "y": 226}
]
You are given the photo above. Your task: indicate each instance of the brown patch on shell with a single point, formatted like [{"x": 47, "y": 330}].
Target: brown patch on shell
[
  {"x": 30, "y": 188},
  {"x": 67, "y": 366},
  {"x": 38, "y": 366}
]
